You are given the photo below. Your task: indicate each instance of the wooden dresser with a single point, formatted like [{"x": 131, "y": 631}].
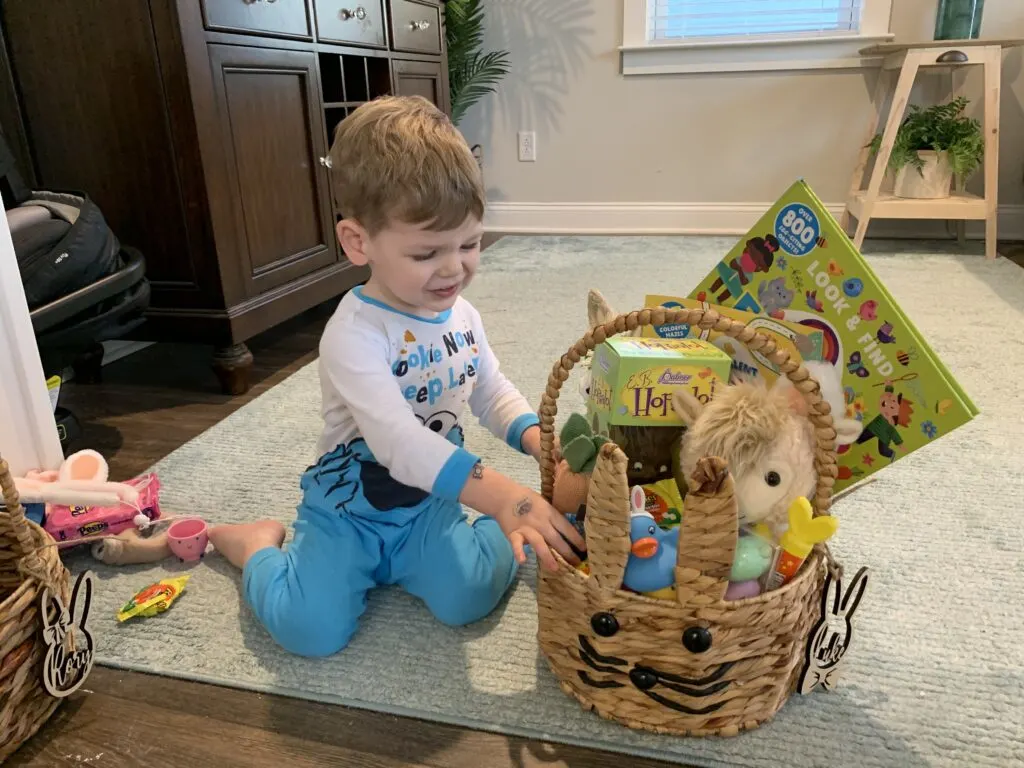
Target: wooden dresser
[{"x": 201, "y": 129}]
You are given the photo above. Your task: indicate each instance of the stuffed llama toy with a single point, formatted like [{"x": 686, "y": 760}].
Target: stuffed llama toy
[{"x": 765, "y": 438}]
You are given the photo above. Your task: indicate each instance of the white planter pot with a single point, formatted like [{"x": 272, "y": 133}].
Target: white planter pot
[{"x": 932, "y": 182}]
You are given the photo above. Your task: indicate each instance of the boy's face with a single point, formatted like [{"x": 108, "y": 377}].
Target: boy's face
[{"x": 412, "y": 268}]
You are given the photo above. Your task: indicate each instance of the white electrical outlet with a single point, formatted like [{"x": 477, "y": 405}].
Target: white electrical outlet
[{"x": 527, "y": 146}]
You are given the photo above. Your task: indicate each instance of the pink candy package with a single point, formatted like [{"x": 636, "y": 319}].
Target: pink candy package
[{"x": 69, "y": 525}]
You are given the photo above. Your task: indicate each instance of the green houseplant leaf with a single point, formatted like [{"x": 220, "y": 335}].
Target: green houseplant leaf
[
  {"x": 943, "y": 128},
  {"x": 472, "y": 74}
]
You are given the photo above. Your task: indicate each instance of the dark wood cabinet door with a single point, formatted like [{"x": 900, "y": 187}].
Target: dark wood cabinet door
[
  {"x": 102, "y": 127},
  {"x": 419, "y": 78},
  {"x": 273, "y": 137}
]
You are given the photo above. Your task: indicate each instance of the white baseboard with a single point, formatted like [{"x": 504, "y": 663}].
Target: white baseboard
[{"x": 698, "y": 219}]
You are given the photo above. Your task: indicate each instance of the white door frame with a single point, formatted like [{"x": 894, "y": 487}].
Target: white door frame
[{"x": 28, "y": 431}]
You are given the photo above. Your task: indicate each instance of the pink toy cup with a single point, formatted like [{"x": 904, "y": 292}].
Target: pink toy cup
[{"x": 188, "y": 538}]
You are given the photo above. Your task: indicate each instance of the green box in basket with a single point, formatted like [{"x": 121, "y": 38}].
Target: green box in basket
[{"x": 632, "y": 379}]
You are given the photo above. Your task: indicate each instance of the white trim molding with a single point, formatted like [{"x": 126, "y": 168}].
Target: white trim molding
[
  {"x": 698, "y": 219},
  {"x": 642, "y": 55}
]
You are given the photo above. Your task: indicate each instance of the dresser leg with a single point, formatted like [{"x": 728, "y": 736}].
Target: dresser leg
[{"x": 232, "y": 366}]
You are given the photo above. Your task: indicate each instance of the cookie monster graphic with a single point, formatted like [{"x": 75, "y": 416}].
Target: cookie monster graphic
[{"x": 351, "y": 468}]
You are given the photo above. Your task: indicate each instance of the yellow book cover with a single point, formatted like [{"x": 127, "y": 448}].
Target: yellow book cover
[
  {"x": 892, "y": 381},
  {"x": 800, "y": 341}
]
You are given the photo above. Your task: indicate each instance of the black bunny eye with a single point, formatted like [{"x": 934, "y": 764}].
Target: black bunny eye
[
  {"x": 697, "y": 639},
  {"x": 772, "y": 478},
  {"x": 604, "y": 624}
]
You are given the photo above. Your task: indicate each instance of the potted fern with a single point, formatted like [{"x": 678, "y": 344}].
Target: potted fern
[
  {"x": 933, "y": 145},
  {"x": 472, "y": 73}
]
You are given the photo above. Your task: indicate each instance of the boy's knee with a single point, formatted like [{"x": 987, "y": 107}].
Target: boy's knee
[
  {"x": 294, "y": 620},
  {"x": 470, "y": 603},
  {"x": 313, "y": 638}
]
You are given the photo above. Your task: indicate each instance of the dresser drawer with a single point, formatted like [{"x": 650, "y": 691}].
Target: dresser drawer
[
  {"x": 415, "y": 26},
  {"x": 360, "y": 22},
  {"x": 286, "y": 18}
]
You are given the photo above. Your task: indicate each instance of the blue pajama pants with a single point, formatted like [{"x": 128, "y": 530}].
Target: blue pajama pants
[{"x": 358, "y": 528}]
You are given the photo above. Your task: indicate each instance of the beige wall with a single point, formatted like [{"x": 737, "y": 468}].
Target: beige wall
[{"x": 713, "y": 138}]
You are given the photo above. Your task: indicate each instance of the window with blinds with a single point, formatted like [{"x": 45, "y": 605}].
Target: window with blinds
[{"x": 677, "y": 20}]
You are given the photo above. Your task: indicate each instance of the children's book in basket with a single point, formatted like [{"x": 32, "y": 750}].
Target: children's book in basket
[{"x": 797, "y": 265}]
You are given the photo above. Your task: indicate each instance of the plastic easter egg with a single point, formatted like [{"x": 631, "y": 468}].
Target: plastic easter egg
[
  {"x": 752, "y": 558},
  {"x": 738, "y": 590}
]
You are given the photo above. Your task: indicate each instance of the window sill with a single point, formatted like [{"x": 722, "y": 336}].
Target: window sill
[{"x": 763, "y": 55}]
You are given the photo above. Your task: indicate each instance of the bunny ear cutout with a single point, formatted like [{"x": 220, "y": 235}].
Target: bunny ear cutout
[
  {"x": 81, "y": 600},
  {"x": 55, "y": 618},
  {"x": 853, "y": 595},
  {"x": 831, "y": 597},
  {"x": 54, "y": 611}
]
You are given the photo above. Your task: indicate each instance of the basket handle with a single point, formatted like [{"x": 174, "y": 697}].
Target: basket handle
[
  {"x": 15, "y": 536},
  {"x": 825, "y": 463}
]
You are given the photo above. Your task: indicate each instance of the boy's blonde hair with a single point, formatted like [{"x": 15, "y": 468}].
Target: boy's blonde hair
[{"x": 399, "y": 158}]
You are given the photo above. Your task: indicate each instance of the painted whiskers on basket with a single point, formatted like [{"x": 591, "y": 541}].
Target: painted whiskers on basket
[{"x": 653, "y": 683}]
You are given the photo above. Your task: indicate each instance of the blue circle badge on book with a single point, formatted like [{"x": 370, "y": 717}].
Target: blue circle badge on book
[
  {"x": 797, "y": 229},
  {"x": 673, "y": 330}
]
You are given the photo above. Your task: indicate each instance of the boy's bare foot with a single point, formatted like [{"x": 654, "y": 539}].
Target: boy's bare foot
[{"x": 240, "y": 542}]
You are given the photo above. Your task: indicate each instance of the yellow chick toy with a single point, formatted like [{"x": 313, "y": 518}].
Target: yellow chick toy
[{"x": 805, "y": 530}]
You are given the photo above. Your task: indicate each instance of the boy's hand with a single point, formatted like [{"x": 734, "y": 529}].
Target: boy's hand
[
  {"x": 533, "y": 521},
  {"x": 524, "y": 516}
]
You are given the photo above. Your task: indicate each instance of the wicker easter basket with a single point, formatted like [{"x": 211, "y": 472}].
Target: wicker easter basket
[
  {"x": 624, "y": 655},
  {"x": 27, "y": 568}
]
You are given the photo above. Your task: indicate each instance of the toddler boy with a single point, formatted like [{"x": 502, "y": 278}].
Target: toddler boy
[{"x": 399, "y": 360}]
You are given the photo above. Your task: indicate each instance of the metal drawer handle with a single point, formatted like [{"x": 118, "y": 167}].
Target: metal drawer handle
[
  {"x": 358, "y": 13},
  {"x": 257, "y": 2},
  {"x": 326, "y": 162},
  {"x": 419, "y": 25}
]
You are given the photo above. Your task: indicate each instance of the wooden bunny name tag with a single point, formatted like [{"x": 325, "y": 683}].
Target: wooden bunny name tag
[
  {"x": 70, "y": 653},
  {"x": 831, "y": 636}
]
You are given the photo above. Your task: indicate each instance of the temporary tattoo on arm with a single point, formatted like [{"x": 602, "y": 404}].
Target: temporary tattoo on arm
[
  {"x": 523, "y": 507},
  {"x": 478, "y": 471}
]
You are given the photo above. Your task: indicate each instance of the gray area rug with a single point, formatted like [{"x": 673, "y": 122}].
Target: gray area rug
[{"x": 936, "y": 673}]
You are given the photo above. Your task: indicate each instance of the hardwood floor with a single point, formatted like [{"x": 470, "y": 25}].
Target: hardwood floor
[
  {"x": 148, "y": 404},
  {"x": 128, "y": 719}
]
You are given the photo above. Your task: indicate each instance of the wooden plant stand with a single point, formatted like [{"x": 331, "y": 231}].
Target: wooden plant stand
[{"x": 867, "y": 203}]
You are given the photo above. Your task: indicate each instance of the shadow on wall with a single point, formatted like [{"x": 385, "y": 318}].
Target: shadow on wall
[{"x": 549, "y": 46}]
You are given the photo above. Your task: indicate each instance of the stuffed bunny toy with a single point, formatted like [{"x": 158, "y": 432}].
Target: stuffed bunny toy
[
  {"x": 830, "y": 380},
  {"x": 599, "y": 312},
  {"x": 766, "y": 440}
]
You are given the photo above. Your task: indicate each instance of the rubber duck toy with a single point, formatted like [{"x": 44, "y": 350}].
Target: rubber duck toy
[{"x": 650, "y": 569}]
